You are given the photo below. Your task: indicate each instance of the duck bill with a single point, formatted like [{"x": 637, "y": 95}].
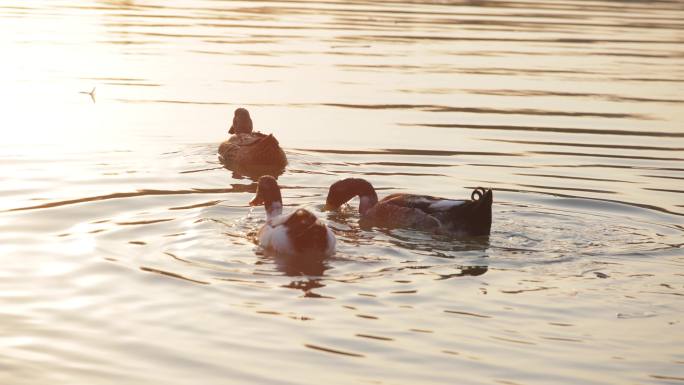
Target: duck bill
[{"x": 256, "y": 201}]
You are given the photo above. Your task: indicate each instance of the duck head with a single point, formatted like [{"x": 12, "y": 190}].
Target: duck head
[
  {"x": 242, "y": 122},
  {"x": 342, "y": 191},
  {"x": 268, "y": 194}
]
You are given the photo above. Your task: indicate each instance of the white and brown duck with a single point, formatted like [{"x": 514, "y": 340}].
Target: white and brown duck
[
  {"x": 422, "y": 212},
  {"x": 250, "y": 150},
  {"x": 297, "y": 233}
]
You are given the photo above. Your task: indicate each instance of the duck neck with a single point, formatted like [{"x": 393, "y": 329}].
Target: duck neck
[
  {"x": 366, "y": 202},
  {"x": 241, "y": 125},
  {"x": 273, "y": 209}
]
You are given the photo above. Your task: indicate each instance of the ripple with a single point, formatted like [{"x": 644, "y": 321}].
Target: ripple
[
  {"x": 667, "y": 378},
  {"x": 170, "y": 274},
  {"x": 575, "y": 41},
  {"x": 127, "y": 195},
  {"x": 565, "y": 130},
  {"x": 589, "y": 145},
  {"x": 485, "y": 110},
  {"x": 467, "y": 313},
  {"x": 146, "y": 222},
  {"x": 334, "y": 351},
  {"x": 373, "y": 337},
  {"x": 405, "y": 151},
  {"x": 579, "y": 95}
]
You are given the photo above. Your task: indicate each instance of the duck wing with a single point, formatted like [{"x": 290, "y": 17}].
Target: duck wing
[
  {"x": 299, "y": 232},
  {"x": 398, "y": 211},
  {"x": 306, "y": 232},
  {"x": 426, "y": 203},
  {"x": 473, "y": 217},
  {"x": 232, "y": 148}
]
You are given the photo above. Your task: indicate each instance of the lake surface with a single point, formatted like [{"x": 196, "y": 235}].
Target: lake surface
[{"x": 127, "y": 250}]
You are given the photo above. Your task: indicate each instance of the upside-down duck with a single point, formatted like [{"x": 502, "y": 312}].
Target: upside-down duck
[
  {"x": 247, "y": 150},
  {"x": 421, "y": 212},
  {"x": 297, "y": 233}
]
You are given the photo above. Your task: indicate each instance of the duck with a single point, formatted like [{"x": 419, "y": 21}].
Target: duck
[
  {"x": 250, "y": 151},
  {"x": 298, "y": 233},
  {"x": 421, "y": 212}
]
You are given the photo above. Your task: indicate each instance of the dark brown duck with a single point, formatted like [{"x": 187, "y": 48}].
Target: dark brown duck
[
  {"x": 421, "y": 212},
  {"x": 247, "y": 149}
]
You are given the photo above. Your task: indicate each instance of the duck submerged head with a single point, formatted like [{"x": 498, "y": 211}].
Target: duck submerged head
[
  {"x": 344, "y": 190},
  {"x": 242, "y": 122},
  {"x": 268, "y": 194}
]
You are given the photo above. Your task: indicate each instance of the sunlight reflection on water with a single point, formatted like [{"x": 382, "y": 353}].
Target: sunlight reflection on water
[{"x": 128, "y": 251}]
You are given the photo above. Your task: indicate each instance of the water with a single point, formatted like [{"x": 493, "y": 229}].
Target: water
[{"x": 127, "y": 251}]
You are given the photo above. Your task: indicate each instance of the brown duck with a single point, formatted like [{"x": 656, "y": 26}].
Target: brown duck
[
  {"x": 421, "y": 212},
  {"x": 248, "y": 150}
]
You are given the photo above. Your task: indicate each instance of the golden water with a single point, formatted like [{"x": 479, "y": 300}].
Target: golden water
[{"x": 127, "y": 252}]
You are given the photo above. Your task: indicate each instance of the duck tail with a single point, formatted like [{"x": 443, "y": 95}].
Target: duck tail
[
  {"x": 483, "y": 200},
  {"x": 268, "y": 141},
  {"x": 483, "y": 197},
  {"x": 268, "y": 150},
  {"x": 267, "y": 144},
  {"x": 481, "y": 215}
]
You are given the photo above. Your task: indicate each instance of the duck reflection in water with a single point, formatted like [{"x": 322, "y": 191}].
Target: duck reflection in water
[
  {"x": 472, "y": 271},
  {"x": 308, "y": 272},
  {"x": 437, "y": 245},
  {"x": 250, "y": 153}
]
